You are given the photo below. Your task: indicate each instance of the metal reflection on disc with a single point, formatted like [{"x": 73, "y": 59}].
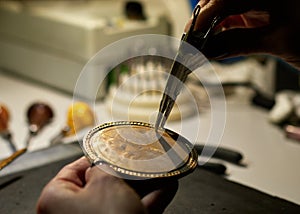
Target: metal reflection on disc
[{"x": 135, "y": 149}]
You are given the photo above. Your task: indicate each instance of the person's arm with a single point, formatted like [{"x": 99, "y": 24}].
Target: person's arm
[
  {"x": 79, "y": 188},
  {"x": 252, "y": 27}
]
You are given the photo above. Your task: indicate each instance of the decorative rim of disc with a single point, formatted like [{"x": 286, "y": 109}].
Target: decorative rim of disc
[{"x": 190, "y": 163}]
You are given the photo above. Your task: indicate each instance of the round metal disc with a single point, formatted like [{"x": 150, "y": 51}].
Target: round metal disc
[{"x": 136, "y": 149}]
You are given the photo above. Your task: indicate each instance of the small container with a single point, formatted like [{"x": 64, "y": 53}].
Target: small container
[{"x": 135, "y": 150}]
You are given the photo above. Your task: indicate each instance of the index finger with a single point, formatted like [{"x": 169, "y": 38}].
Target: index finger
[{"x": 222, "y": 8}]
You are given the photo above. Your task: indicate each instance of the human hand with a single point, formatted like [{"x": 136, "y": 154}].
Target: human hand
[
  {"x": 79, "y": 188},
  {"x": 252, "y": 27}
]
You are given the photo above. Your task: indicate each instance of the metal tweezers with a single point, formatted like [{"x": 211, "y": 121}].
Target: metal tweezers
[{"x": 179, "y": 70}]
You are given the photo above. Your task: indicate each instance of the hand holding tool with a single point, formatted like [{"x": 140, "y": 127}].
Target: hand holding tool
[{"x": 186, "y": 60}]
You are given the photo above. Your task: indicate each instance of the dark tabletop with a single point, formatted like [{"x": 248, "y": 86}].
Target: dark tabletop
[{"x": 199, "y": 192}]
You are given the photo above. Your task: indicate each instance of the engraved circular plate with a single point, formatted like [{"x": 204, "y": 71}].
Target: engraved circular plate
[{"x": 136, "y": 149}]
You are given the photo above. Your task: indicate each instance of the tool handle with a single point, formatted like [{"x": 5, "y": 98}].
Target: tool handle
[
  {"x": 217, "y": 168},
  {"x": 57, "y": 139},
  {"x": 221, "y": 153},
  {"x": 8, "y": 137},
  {"x": 6, "y": 161}
]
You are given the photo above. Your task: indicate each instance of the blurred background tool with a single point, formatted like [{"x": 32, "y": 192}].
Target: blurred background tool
[
  {"x": 4, "y": 127},
  {"x": 220, "y": 154},
  {"x": 292, "y": 132},
  {"x": 80, "y": 117},
  {"x": 38, "y": 115},
  {"x": 5, "y": 162},
  {"x": 217, "y": 168}
]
